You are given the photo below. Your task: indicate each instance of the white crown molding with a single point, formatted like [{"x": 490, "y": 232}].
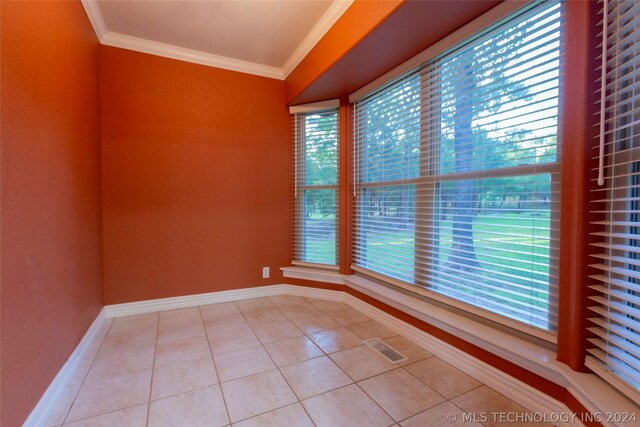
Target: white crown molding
[
  {"x": 174, "y": 52},
  {"x": 110, "y": 38},
  {"x": 95, "y": 17},
  {"x": 330, "y": 17}
]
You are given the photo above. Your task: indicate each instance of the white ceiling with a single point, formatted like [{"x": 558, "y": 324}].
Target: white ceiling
[{"x": 264, "y": 37}]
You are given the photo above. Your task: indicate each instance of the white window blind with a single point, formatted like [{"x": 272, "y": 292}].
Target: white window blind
[
  {"x": 457, "y": 172},
  {"x": 615, "y": 325},
  {"x": 387, "y": 168},
  {"x": 316, "y": 188}
]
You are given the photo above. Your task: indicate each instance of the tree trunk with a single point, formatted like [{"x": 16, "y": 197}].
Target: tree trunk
[{"x": 462, "y": 254}]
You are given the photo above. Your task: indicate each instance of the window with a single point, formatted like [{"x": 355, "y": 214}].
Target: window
[
  {"x": 615, "y": 326},
  {"x": 316, "y": 188},
  {"x": 387, "y": 169},
  {"x": 457, "y": 172}
]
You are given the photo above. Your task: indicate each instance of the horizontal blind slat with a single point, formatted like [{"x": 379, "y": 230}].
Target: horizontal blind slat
[{"x": 480, "y": 121}]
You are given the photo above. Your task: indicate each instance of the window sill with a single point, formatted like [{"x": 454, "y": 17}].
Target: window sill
[
  {"x": 317, "y": 274},
  {"x": 594, "y": 393}
]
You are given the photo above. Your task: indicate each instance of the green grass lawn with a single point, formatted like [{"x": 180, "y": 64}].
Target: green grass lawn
[{"x": 510, "y": 256}]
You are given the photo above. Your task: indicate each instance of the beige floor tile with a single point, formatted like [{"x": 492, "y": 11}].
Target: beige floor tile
[
  {"x": 114, "y": 363},
  {"x": 277, "y": 332},
  {"x": 228, "y": 323},
  {"x": 180, "y": 329},
  {"x": 285, "y": 300},
  {"x": 198, "y": 408},
  {"x": 181, "y": 350},
  {"x": 315, "y": 376},
  {"x": 442, "y": 377},
  {"x": 370, "y": 329},
  {"x": 216, "y": 311},
  {"x": 439, "y": 416},
  {"x": 292, "y": 415},
  {"x": 61, "y": 409},
  {"x": 347, "y": 406},
  {"x": 180, "y": 377},
  {"x": 413, "y": 352},
  {"x": 179, "y": 315},
  {"x": 362, "y": 362},
  {"x": 222, "y": 342},
  {"x": 487, "y": 400},
  {"x": 81, "y": 372},
  {"x": 242, "y": 363},
  {"x": 264, "y": 317},
  {"x": 85, "y": 364},
  {"x": 316, "y": 323},
  {"x": 347, "y": 316},
  {"x": 137, "y": 321},
  {"x": 300, "y": 310},
  {"x": 326, "y": 306},
  {"x": 293, "y": 350},
  {"x": 135, "y": 416},
  {"x": 335, "y": 340},
  {"x": 129, "y": 339},
  {"x": 400, "y": 394},
  {"x": 99, "y": 397},
  {"x": 254, "y": 304},
  {"x": 103, "y": 329},
  {"x": 250, "y": 396}
]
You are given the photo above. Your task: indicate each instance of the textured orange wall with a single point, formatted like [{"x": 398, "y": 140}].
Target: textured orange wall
[
  {"x": 197, "y": 177},
  {"x": 50, "y": 195}
]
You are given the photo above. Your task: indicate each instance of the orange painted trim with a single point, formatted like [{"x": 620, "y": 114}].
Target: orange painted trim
[
  {"x": 536, "y": 381},
  {"x": 578, "y": 135},
  {"x": 355, "y": 24},
  {"x": 315, "y": 284},
  {"x": 346, "y": 196}
]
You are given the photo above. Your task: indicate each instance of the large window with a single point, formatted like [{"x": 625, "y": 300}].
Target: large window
[
  {"x": 387, "y": 167},
  {"x": 457, "y": 172},
  {"x": 615, "y": 326},
  {"x": 316, "y": 188}
]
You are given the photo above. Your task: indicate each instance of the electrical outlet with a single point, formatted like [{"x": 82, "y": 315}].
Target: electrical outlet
[{"x": 265, "y": 272}]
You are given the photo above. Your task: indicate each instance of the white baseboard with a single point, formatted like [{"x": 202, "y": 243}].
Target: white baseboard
[
  {"x": 150, "y": 306},
  {"x": 51, "y": 396},
  {"x": 516, "y": 390},
  {"x": 521, "y": 393}
]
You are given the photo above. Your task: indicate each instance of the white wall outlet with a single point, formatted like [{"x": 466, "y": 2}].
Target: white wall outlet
[{"x": 265, "y": 272}]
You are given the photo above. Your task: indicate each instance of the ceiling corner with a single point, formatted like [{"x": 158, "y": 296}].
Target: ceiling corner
[
  {"x": 330, "y": 17},
  {"x": 95, "y": 17},
  {"x": 151, "y": 47}
]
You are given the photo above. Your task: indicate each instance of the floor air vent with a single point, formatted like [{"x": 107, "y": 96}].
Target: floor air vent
[{"x": 388, "y": 352}]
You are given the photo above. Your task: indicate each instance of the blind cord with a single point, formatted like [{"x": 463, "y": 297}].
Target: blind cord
[
  {"x": 603, "y": 89},
  {"x": 295, "y": 155}
]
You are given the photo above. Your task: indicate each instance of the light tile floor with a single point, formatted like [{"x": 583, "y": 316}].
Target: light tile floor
[{"x": 276, "y": 361}]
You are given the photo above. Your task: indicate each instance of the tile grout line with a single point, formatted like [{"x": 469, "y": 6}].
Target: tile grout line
[
  {"x": 285, "y": 378},
  {"x": 375, "y": 401},
  {"x": 215, "y": 368},
  {"x": 153, "y": 369},
  {"x": 354, "y": 382},
  {"x": 277, "y": 368},
  {"x": 84, "y": 378},
  {"x": 252, "y": 328}
]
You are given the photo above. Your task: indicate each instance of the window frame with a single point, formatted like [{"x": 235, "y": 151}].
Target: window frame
[
  {"x": 301, "y": 188},
  {"x": 425, "y": 183}
]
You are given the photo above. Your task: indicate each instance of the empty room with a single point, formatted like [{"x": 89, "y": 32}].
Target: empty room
[{"x": 319, "y": 213}]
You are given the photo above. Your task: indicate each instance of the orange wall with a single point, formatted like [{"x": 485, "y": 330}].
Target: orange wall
[
  {"x": 197, "y": 177},
  {"x": 51, "y": 195},
  {"x": 357, "y": 21}
]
